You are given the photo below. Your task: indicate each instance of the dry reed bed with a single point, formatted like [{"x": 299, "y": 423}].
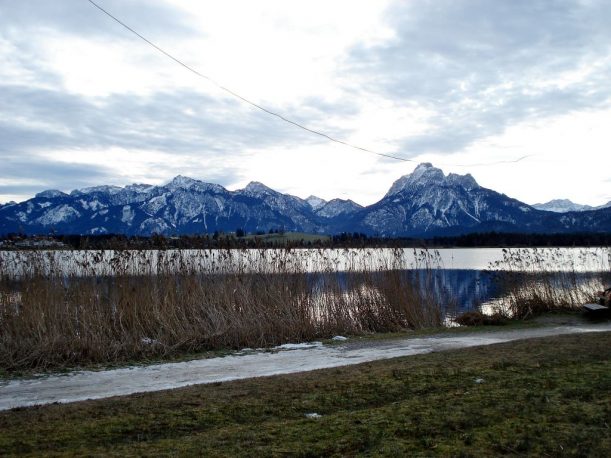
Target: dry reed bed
[
  {"x": 69, "y": 308},
  {"x": 51, "y": 319},
  {"x": 24, "y": 263},
  {"x": 536, "y": 281}
]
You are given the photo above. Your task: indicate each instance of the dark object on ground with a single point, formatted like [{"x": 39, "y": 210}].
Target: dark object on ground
[
  {"x": 604, "y": 297},
  {"x": 603, "y": 305},
  {"x": 595, "y": 308},
  {"x": 479, "y": 319}
]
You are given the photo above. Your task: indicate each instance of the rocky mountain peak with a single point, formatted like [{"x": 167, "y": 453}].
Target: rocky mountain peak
[
  {"x": 426, "y": 174},
  {"x": 181, "y": 181},
  {"x": 315, "y": 202},
  {"x": 104, "y": 189},
  {"x": 423, "y": 174},
  {"x": 139, "y": 187},
  {"x": 190, "y": 184},
  {"x": 465, "y": 181},
  {"x": 256, "y": 187},
  {"x": 336, "y": 207},
  {"x": 50, "y": 194},
  {"x": 423, "y": 169},
  {"x": 562, "y": 206}
]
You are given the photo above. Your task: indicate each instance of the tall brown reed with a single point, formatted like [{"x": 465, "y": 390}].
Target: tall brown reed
[
  {"x": 535, "y": 281},
  {"x": 69, "y": 308}
]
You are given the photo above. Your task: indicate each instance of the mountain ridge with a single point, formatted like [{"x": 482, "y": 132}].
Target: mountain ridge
[
  {"x": 566, "y": 205},
  {"x": 423, "y": 203}
]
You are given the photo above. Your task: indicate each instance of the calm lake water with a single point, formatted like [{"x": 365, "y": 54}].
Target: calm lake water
[
  {"x": 465, "y": 276},
  {"x": 110, "y": 262}
]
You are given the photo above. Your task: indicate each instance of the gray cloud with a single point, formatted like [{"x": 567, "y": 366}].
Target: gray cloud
[
  {"x": 476, "y": 64},
  {"x": 188, "y": 125},
  {"x": 38, "y": 173},
  {"x": 80, "y": 18},
  {"x": 48, "y": 174},
  {"x": 179, "y": 122}
]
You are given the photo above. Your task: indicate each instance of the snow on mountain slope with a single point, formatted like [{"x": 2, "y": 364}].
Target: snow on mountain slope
[
  {"x": 337, "y": 207},
  {"x": 425, "y": 202},
  {"x": 60, "y": 214},
  {"x": 315, "y": 202},
  {"x": 297, "y": 210},
  {"x": 565, "y": 205},
  {"x": 50, "y": 194}
]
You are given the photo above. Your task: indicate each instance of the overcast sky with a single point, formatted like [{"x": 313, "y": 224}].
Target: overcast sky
[{"x": 466, "y": 85}]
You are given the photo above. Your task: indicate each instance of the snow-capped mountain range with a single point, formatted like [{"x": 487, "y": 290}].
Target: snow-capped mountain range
[
  {"x": 425, "y": 202},
  {"x": 565, "y": 205}
]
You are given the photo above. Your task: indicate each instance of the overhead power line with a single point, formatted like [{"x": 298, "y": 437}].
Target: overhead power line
[
  {"x": 242, "y": 98},
  {"x": 267, "y": 110}
]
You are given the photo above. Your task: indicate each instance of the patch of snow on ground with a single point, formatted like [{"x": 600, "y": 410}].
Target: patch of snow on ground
[
  {"x": 83, "y": 385},
  {"x": 298, "y": 346}
]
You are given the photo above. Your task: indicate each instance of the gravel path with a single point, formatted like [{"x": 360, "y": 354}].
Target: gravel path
[{"x": 82, "y": 385}]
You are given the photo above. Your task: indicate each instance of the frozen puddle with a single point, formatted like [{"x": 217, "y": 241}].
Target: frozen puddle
[{"x": 286, "y": 359}]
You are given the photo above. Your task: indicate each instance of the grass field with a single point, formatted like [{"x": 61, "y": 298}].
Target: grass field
[{"x": 544, "y": 397}]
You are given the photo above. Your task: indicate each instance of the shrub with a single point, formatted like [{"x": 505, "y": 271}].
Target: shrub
[{"x": 476, "y": 318}]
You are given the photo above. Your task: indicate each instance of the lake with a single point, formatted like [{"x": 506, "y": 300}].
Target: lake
[
  {"x": 465, "y": 276},
  {"x": 136, "y": 262}
]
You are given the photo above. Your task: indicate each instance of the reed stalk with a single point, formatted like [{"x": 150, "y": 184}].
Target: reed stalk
[
  {"x": 536, "y": 281},
  {"x": 61, "y": 309}
]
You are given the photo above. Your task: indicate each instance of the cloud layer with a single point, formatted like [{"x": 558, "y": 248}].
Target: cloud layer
[
  {"x": 84, "y": 102},
  {"x": 481, "y": 66}
]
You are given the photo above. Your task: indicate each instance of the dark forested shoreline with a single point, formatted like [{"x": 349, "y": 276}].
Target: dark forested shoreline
[{"x": 239, "y": 239}]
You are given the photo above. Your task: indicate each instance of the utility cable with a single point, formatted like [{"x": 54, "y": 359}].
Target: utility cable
[
  {"x": 242, "y": 98},
  {"x": 267, "y": 110}
]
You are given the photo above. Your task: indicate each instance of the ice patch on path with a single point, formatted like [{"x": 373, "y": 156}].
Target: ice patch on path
[
  {"x": 78, "y": 386},
  {"x": 298, "y": 346}
]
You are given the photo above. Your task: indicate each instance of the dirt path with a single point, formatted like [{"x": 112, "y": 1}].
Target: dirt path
[{"x": 78, "y": 386}]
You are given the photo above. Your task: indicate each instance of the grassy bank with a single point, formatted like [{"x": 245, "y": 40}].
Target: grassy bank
[{"x": 541, "y": 397}]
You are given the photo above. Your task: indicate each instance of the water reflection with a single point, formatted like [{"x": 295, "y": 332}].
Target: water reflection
[
  {"x": 455, "y": 280},
  {"x": 463, "y": 290}
]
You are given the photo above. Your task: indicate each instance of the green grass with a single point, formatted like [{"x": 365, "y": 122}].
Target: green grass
[{"x": 539, "y": 397}]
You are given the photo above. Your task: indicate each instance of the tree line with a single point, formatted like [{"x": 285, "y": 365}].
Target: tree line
[{"x": 239, "y": 239}]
